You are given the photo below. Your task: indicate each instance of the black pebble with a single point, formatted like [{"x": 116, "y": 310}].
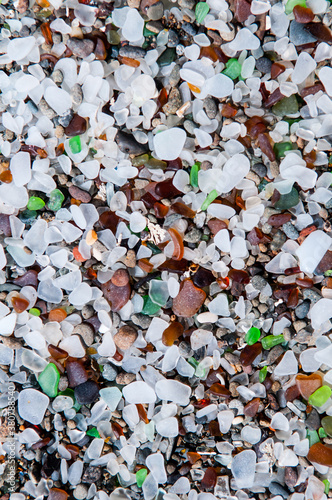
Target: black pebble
[{"x": 87, "y": 392}]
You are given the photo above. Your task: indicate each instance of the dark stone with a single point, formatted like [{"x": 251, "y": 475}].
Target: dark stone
[
  {"x": 80, "y": 48},
  {"x": 128, "y": 144},
  {"x": 86, "y": 393},
  {"x": 79, "y": 194},
  {"x": 313, "y": 421},
  {"x": 132, "y": 52},
  {"x": 189, "y": 29},
  {"x": 263, "y": 64},
  {"x": 173, "y": 39},
  {"x": 302, "y": 309},
  {"x": 91, "y": 475},
  {"x": 291, "y": 476}
]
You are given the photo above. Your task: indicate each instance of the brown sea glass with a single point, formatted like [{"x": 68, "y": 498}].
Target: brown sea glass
[
  {"x": 172, "y": 333},
  {"x": 76, "y": 372},
  {"x": 320, "y": 454},
  {"x": 251, "y": 408},
  {"x": 250, "y": 353},
  {"x": 117, "y": 290},
  {"x": 308, "y": 384}
]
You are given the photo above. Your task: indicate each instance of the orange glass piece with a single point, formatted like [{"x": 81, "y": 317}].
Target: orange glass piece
[
  {"x": 129, "y": 62},
  {"x": 193, "y": 88},
  {"x": 117, "y": 429},
  {"x": 182, "y": 209},
  {"x": 178, "y": 244},
  {"x": 145, "y": 265},
  {"x": 255, "y": 126},
  {"x": 73, "y": 450},
  {"x": 47, "y": 33},
  {"x": 303, "y": 15},
  {"x": 193, "y": 457},
  {"x": 44, "y": 4},
  {"x": 276, "y": 70},
  {"x": 57, "y": 314},
  {"x": 209, "y": 52},
  {"x": 219, "y": 390},
  {"x": 251, "y": 408},
  {"x": 20, "y": 304},
  {"x": 250, "y": 353},
  {"x": 77, "y": 255},
  {"x": 172, "y": 333},
  {"x": 162, "y": 98},
  {"x": 142, "y": 413},
  {"x": 308, "y": 384},
  {"x": 320, "y": 454},
  {"x": 6, "y": 176},
  {"x": 189, "y": 300},
  {"x": 59, "y": 149},
  {"x": 160, "y": 210},
  {"x": 228, "y": 110},
  {"x": 223, "y": 283},
  {"x": 57, "y": 352},
  {"x": 100, "y": 51}
]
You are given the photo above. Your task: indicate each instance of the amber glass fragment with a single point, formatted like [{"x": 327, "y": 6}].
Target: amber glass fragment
[
  {"x": 73, "y": 450},
  {"x": 209, "y": 52},
  {"x": 251, "y": 408},
  {"x": 193, "y": 457},
  {"x": 182, "y": 209},
  {"x": 193, "y": 88},
  {"x": 189, "y": 300},
  {"x": 319, "y": 31},
  {"x": 273, "y": 98},
  {"x": 303, "y": 15},
  {"x": 214, "y": 429},
  {"x": 203, "y": 277},
  {"x": 292, "y": 270},
  {"x": 6, "y": 176},
  {"x": 160, "y": 210},
  {"x": 223, "y": 283},
  {"x": 47, "y": 33},
  {"x": 209, "y": 479},
  {"x": 57, "y": 314},
  {"x": 20, "y": 304},
  {"x": 109, "y": 220},
  {"x": 128, "y": 62},
  {"x": 40, "y": 444},
  {"x": 219, "y": 390},
  {"x": 293, "y": 298},
  {"x": 100, "y": 50},
  {"x": 145, "y": 265},
  {"x": 162, "y": 98},
  {"x": 228, "y": 110},
  {"x": 276, "y": 70},
  {"x": 308, "y": 384},
  {"x": 172, "y": 333},
  {"x": 250, "y": 353},
  {"x": 117, "y": 296},
  {"x": 320, "y": 454},
  {"x": 57, "y": 352},
  {"x": 177, "y": 242},
  {"x": 142, "y": 413},
  {"x": 255, "y": 126},
  {"x": 117, "y": 429},
  {"x": 166, "y": 189}
]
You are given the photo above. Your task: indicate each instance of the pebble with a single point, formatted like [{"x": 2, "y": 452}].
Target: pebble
[
  {"x": 173, "y": 39},
  {"x": 174, "y": 77},
  {"x": 79, "y": 194},
  {"x": 263, "y": 64},
  {"x": 132, "y": 52},
  {"x": 76, "y": 94},
  {"x": 259, "y": 169},
  {"x": 125, "y": 337},
  {"x": 109, "y": 372},
  {"x": 57, "y": 76},
  {"x": 302, "y": 309},
  {"x": 87, "y": 392},
  {"x": 80, "y": 492},
  {"x": 210, "y": 107},
  {"x": 91, "y": 475},
  {"x": 46, "y": 110},
  {"x": 155, "y": 11},
  {"x": 174, "y": 102},
  {"x": 80, "y": 48}
]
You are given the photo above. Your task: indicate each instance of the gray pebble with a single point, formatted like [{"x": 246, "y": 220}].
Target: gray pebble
[
  {"x": 259, "y": 169},
  {"x": 80, "y": 48},
  {"x": 174, "y": 102},
  {"x": 277, "y": 489},
  {"x": 131, "y": 52},
  {"x": 86, "y": 332},
  {"x": 141, "y": 320},
  {"x": 263, "y": 64},
  {"x": 80, "y": 492},
  {"x": 76, "y": 94},
  {"x": 302, "y": 309},
  {"x": 155, "y": 11},
  {"x": 189, "y": 28},
  {"x": 46, "y": 109},
  {"x": 91, "y": 475},
  {"x": 290, "y": 231},
  {"x": 189, "y": 126},
  {"x": 87, "y": 312},
  {"x": 210, "y": 107},
  {"x": 57, "y": 76},
  {"x": 313, "y": 421},
  {"x": 154, "y": 26},
  {"x": 65, "y": 119},
  {"x": 174, "y": 77}
]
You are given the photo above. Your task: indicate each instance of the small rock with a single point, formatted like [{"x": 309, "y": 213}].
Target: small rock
[
  {"x": 86, "y": 332},
  {"x": 155, "y": 11},
  {"x": 46, "y": 110},
  {"x": 125, "y": 378},
  {"x": 291, "y": 476},
  {"x": 79, "y": 194},
  {"x": 57, "y": 76},
  {"x": 302, "y": 309},
  {"x": 259, "y": 169},
  {"x": 109, "y": 372},
  {"x": 312, "y": 295},
  {"x": 66, "y": 118},
  {"x": 263, "y": 64},
  {"x": 80, "y": 48},
  {"x": 278, "y": 240},
  {"x": 155, "y": 26},
  {"x": 76, "y": 94},
  {"x": 174, "y": 77},
  {"x": 210, "y": 107},
  {"x": 313, "y": 420},
  {"x": 173, "y": 39},
  {"x": 125, "y": 337},
  {"x": 141, "y": 320},
  {"x": 193, "y": 236},
  {"x": 174, "y": 102},
  {"x": 132, "y": 52},
  {"x": 87, "y": 392},
  {"x": 80, "y": 492},
  {"x": 91, "y": 475}
]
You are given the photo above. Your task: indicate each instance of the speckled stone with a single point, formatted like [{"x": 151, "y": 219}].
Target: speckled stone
[{"x": 290, "y": 230}]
